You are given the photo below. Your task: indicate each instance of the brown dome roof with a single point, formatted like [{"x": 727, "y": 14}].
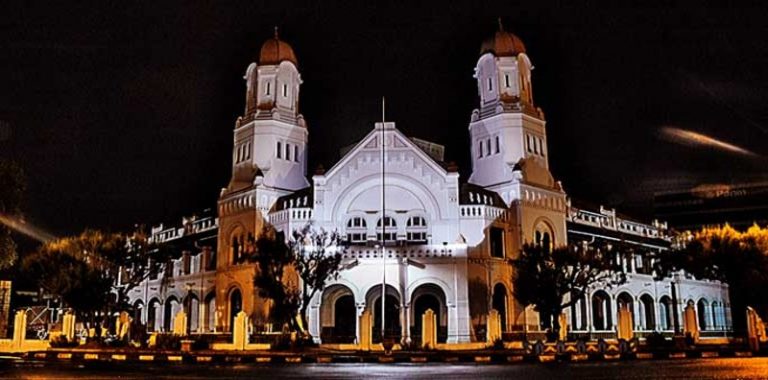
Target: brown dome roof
[
  {"x": 503, "y": 44},
  {"x": 274, "y": 51}
]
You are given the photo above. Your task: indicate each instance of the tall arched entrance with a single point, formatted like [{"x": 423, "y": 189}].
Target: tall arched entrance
[
  {"x": 235, "y": 306},
  {"x": 392, "y": 325},
  {"x": 153, "y": 311},
  {"x": 665, "y": 313},
  {"x": 601, "y": 311},
  {"x": 172, "y": 306},
  {"x": 648, "y": 312},
  {"x": 338, "y": 315},
  {"x": 192, "y": 308},
  {"x": 429, "y": 297},
  {"x": 210, "y": 311},
  {"x": 138, "y": 311},
  {"x": 702, "y": 307},
  {"x": 499, "y": 303}
]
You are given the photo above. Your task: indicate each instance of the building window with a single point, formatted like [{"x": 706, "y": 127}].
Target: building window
[
  {"x": 357, "y": 230},
  {"x": 285, "y": 90},
  {"x": 480, "y": 149},
  {"x": 506, "y": 80},
  {"x": 288, "y": 152},
  {"x": 296, "y": 153},
  {"x": 236, "y": 250},
  {"x": 390, "y": 230},
  {"x": 490, "y": 84},
  {"x": 279, "y": 149},
  {"x": 267, "y": 89},
  {"x": 497, "y": 242},
  {"x": 488, "y": 146},
  {"x": 543, "y": 237},
  {"x": 528, "y": 142},
  {"x": 416, "y": 230},
  {"x": 498, "y": 149}
]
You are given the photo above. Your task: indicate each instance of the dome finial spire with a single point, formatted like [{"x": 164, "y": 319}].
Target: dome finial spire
[
  {"x": 501, "y": 26},
  {"x": 276, "y": 32}
]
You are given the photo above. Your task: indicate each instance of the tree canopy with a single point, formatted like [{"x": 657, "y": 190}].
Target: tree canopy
[
  {"x": 554, "y": 280},
  {"x": 291, "y": 273},
  {"x": 739, "y": 259},
  {"x": 95, "y": 271},
  {"x": 11, "y": 194}
]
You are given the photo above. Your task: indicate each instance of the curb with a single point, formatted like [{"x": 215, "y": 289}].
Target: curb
[{"x": 367, "y": 357}]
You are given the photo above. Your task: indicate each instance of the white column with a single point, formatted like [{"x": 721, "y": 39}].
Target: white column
[
  {"x": 314, "y": 320},
  {"x": 360, "y": 308}
]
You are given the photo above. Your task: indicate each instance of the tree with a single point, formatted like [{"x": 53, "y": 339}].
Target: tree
[
  {"x": 314, "y": 263},
  {"x": 273, "y": 257},
  {"x": 132, "y": 264},
  {"x": 739, "y": 259},
  {"x": 11, "y": 193},
  {"x": 554, "y": 280},
  {"x": 64, "y": 269},
  {"x": 306, "y": 257},
  {"x": 95, "y": 271}
]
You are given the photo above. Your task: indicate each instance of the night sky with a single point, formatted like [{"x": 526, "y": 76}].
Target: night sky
[{"x": 123, "y": 112}]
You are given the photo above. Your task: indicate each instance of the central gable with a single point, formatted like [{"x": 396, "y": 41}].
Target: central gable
[
  {"x": 414, "y": 180},
  {"x": 397, "y": 148}
]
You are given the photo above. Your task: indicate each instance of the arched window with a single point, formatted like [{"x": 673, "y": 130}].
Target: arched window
[
  {"x": 235, "y": 249},
  {"x": 236, "y": 246},
  {"x": 357, "y": 230},
  {"x": 416, "y": 229},
  {"x": 542, "y": 236},
  {"x": 390, "y": 230}
]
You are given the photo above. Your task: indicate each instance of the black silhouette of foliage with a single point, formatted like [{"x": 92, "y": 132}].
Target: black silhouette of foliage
[
  {"x": 291, "y": 273},
  {"x": 554, "y": 280}
]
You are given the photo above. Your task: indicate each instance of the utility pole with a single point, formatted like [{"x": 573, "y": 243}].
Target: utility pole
[{"x": 383, "y": 224}]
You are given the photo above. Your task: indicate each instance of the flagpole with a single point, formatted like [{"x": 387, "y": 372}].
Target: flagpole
[{"x": 383, "y": 225}]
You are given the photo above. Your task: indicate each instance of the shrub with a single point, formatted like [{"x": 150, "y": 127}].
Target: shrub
[
  {"x": 61, "y": 341},
  {"x": 168, "y": 342},
  {"x": 203, "y": 342},
  {"x": 656, "y": 340}
]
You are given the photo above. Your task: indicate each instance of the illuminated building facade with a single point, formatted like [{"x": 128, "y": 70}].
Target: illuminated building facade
[{"x": 448, "y": 244}]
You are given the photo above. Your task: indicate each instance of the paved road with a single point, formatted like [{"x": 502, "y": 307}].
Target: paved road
[{"x": 732, "y": 368}]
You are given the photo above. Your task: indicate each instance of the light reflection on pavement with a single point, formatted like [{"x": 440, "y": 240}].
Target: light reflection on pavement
[{"x": 730, "y": 368}]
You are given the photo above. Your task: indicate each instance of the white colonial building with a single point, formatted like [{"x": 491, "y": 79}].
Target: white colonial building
[{"x": 447, "y": 243}]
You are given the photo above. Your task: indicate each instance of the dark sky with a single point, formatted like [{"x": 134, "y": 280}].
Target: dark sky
[{"x": 122, "y": 112}]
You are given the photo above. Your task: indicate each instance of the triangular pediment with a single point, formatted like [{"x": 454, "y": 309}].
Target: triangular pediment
[{"x": 394, "y": 142}]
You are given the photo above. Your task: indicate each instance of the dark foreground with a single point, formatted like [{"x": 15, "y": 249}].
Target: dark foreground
[{"x": 724, "y": 368}]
